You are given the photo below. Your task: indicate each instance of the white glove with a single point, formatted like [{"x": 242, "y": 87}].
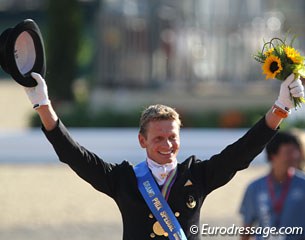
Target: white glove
[
  {"x": 289, "y": 88},
  {"x": 38, "y": 95}
]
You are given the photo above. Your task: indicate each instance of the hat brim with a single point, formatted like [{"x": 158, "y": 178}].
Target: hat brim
[{"x": 23, "y": 52}]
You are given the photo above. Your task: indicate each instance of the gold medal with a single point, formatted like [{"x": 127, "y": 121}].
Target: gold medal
[{"x": 158, "y": 230}]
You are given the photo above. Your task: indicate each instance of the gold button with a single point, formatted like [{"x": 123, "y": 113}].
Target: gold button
[
  {"x": 152, "y": 235},
  {"x": 177, "y": 214},
  {"x": 165, "y": 234},
  {"x": 191, "y": 202},
  {"x": 151, "y": 216}
]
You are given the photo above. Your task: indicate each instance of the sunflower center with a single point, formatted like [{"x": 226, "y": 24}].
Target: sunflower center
[{"x": 274, "y": 67}]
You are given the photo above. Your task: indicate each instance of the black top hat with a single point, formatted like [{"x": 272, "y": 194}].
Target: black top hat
[{"x": 22, "y": 52}]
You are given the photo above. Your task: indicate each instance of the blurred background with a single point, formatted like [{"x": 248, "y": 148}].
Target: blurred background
[{"x": 106, "y": 61}]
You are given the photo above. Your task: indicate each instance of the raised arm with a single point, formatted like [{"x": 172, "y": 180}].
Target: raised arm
[
  {"x": 85, "y": 163},
  {"x": 238, "y": 155},
  {"x": 39, "y": 98},
  {"x": 48, "y": 117}
]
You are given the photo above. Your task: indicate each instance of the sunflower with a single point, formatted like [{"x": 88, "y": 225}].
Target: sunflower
[
  {"x": 293, "y": 55},
  {"x": 272, "y": 66},
  {"x": 269, "y": 52},
  {"x": 279, "y": 60}
]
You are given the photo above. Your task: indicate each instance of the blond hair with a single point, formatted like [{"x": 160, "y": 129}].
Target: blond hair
[{"x": 157, "y": 112}]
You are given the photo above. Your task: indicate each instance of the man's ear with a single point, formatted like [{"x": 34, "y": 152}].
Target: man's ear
[{"x": 142, "y": 140}]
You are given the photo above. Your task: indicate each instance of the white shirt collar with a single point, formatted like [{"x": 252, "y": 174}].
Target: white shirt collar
[{"x": 159, "y": 171}]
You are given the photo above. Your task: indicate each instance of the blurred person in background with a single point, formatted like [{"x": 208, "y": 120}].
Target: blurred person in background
[
  {"x": 300, "y": 134},
  {"x": 278, "y": 199},
  {"x": 184, "y": 185}
]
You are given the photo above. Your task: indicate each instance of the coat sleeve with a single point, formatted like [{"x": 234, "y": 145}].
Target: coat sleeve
[
  {"x": 222, "y": 167},
  {"x": 86, "y": 164}
]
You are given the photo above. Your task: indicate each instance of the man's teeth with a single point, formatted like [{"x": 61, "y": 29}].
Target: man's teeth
[{"x": 168, "y": 152}]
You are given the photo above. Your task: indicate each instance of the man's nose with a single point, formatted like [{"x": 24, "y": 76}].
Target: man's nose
[{"x": 168, "y": 143}]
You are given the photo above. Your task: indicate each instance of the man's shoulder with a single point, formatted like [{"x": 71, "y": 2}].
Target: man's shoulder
[
  {"x": 123, "y": 167},
  {"x": 125, "y": 164},
  {"x": 191, "y": 161},
  {"x": 258, "y": 182},
  {"x": 192, "y": 166}
]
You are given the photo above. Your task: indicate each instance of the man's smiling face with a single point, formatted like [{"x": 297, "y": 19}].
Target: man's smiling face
[{"x": 161, "y": 140}]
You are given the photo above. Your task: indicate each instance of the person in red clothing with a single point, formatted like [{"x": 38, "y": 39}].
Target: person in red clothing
[{"x": 276, "y": 200}]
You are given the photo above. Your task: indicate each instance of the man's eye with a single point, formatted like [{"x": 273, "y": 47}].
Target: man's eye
[{"x": 158, "y": 139}]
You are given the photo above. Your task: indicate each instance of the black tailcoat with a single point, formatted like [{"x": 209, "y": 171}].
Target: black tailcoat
[{"x": 119, "y": 182}]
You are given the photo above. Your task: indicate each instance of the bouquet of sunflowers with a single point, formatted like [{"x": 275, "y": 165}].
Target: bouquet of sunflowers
[{"x": 279, "y": 60}]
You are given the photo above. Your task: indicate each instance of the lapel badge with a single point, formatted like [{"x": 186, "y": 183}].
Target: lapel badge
[
  {"x": 191, "y": 202},
  {"x": 188, "y": 183}
]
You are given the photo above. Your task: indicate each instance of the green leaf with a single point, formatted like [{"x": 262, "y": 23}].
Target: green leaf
[{"x": 300, "y": 70}]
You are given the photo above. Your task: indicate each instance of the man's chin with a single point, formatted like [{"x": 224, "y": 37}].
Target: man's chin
[{"x": 165, "y": 160}]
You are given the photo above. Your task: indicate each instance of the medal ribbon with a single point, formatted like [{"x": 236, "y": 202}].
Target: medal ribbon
[
  {"x": 169, "y": 183},
  {"x": 157, "y": 203}
]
